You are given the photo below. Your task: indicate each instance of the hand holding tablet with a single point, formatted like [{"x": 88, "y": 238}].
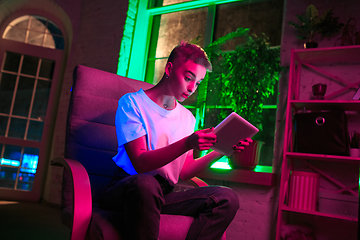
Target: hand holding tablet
[{"x": 230, "y": 131}]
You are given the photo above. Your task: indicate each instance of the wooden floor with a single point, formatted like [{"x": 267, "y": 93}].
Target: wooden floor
[{"x": 31, "y": 221}]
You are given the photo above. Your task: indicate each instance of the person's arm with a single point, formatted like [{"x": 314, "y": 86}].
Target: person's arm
[
  {"x": 144, "y": 160},
  {"x": 192, "y": 166}
]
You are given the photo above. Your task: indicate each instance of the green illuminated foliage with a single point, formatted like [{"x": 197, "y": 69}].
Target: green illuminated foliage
[{"x": 245, "y": 77}]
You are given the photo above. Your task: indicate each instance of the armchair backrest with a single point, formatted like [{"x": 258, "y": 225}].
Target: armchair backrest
[{"x": 90, "y": 132}]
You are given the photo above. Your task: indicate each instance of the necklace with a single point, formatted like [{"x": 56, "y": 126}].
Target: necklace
[{"x": 165, "y": 106}]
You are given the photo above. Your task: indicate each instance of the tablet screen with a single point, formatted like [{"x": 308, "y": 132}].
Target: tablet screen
[{"x": 230, "y": 131}]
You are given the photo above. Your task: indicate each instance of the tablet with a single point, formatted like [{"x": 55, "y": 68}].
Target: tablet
[{"x": 230, "y": 131}]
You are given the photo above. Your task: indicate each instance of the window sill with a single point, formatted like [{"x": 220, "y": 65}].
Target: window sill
[{"x": 264, "y": 176}]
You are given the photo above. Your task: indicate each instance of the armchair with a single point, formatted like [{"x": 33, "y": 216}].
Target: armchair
[{"x": 90, "y": 145}]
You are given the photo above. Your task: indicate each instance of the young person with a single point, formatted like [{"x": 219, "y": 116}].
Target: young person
[{"x": 156, "y": 140}]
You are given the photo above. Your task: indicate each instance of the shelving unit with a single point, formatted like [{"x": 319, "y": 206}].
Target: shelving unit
[{"x": 315, "y": 60}]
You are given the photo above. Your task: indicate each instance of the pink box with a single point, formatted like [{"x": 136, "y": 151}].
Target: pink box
[{"x": 304, "y": 188}]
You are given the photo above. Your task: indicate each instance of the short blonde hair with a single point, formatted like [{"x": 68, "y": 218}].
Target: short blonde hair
[{"x": 187, "y": 51}]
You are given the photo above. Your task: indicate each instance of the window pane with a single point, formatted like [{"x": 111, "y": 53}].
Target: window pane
[
  {"x": 8, "y": 177},
  {"x": 47, "y": 68},
  {"x": 12, "y": 62},
  {"x": 54, "y": 29},
  {"x": 159, "y": 69},
  {"x": 169, "y": 2},
  {"x": 49, "y": 41},
  {"x": 15, "y": 34},
  {"x": 260, "y": 17},
  {"x": 28, "y": 168},
  {"x": 25, "y": 181},
  {"x": 36, "y": 38},
  {"x": 59, "y": 42},
  {"x": 21, "y": 22},
  {"x": 12, "y": 153},
  {"x": 175, "y": 27},
  {"x": 7, "y": 86},
  {"x": 30, "y": 160},
  {"x": 3, "y": 125},
  {"x": 30, "y": 65},
  {"x": 35, "y": 130},
  {"x": 23, "y": 96},
  {"x": 38, "y": 24},
  {"x": 17, "y": 128},
  {"x": 41, "y": 99},
  {"x": 266, "y": 135}
]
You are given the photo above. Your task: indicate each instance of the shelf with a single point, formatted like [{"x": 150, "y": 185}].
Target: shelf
[
  {"x": 322, "y": 157},
  {"x": 348, "y": 54},
  {"x": 320, "y": 61},
  {"x": 317, "y": 105},
  {"x": 286, "y": 208}
]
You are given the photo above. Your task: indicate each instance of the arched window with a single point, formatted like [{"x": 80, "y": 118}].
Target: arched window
[
  {"x": 31, "y": 50},
  {"x": 35, "y": 30}
]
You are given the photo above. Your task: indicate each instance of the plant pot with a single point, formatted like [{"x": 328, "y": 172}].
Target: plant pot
[
  {"x": 354, "y": 152},
  {"x": 248, "y": 158},
  {"x": 310, "y": 45},
  {"x": 319, "y": 91}
]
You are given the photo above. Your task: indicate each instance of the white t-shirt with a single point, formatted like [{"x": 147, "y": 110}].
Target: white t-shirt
[{"x": 137, "y": 115}]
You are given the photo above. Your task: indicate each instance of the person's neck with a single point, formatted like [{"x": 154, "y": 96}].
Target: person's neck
[{"x": 158, "y": 95}]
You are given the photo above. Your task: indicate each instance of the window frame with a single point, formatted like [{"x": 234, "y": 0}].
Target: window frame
[{"x": 44, "y": 146}]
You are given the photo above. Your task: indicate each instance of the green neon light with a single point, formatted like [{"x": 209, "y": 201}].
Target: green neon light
[
  {"x": 222, "y": 163},
  {"x": 259, "y": 168},
  {"x": 187, "y": 6},
  {"x": 264, "y": 169}
]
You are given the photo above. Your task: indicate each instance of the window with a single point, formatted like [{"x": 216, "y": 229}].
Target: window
[
  {"x": 27, "y": 81},
  {"x": 35, "y": 30},
  {"x": 202, "y": 22}
]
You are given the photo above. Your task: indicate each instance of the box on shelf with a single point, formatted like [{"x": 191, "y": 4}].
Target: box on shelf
[
  {"x": 304, "y": 188},
  {"x": 322, "y": 132}
]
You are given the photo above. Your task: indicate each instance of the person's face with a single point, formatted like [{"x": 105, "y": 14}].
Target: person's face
[{"x": 185, "y": 78}]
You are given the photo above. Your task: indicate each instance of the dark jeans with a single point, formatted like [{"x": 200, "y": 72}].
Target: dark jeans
[{"x": 141, "y": 198}]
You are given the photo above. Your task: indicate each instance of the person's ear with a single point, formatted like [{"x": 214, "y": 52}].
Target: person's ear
[{"x": 168, "y": 68}]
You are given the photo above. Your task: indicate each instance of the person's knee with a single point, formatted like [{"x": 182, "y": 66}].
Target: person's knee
[
  {"x": 146, "y": 190},
  {"x": 229, "y": 196},
  {"x": 146, "y": 185}
]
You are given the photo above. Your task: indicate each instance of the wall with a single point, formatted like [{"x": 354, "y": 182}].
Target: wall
[{"x": 97, "y": 36}]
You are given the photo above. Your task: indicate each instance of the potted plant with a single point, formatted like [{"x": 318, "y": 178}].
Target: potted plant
[
  {"x": 355, "y": 144},
  {"x": 244, "y": 79},
  {"x": 312, "y": 24}
]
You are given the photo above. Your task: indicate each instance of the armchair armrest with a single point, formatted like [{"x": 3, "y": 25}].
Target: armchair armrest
[{"x": 82, "y": 200}]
